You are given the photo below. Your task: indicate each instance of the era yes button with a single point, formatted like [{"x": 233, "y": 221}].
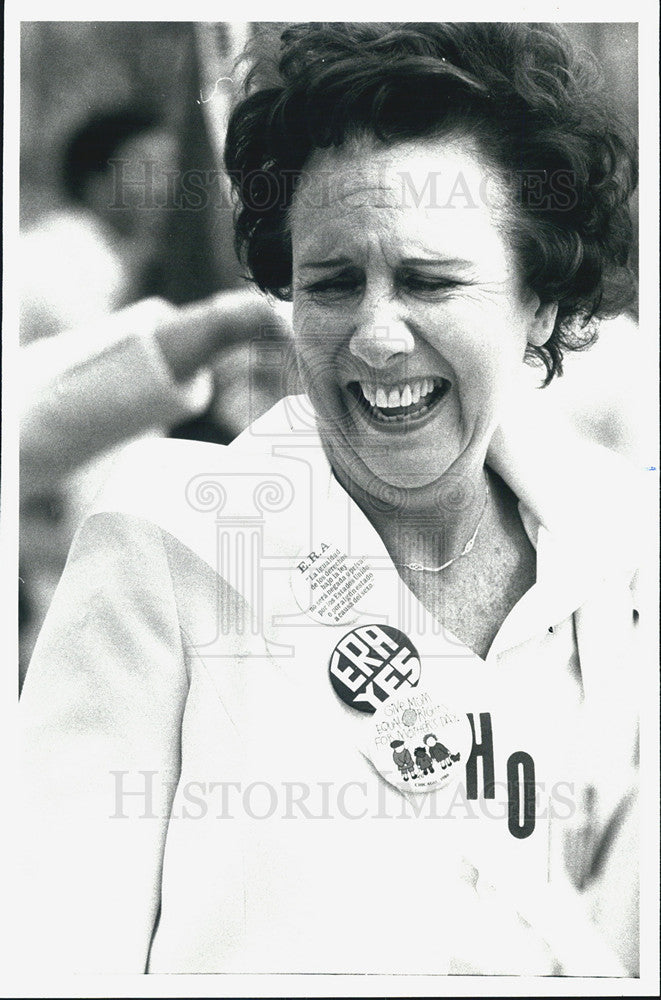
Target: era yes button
[{"x": 371, "y": 663}]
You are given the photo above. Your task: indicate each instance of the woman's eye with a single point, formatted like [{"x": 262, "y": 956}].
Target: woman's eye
[
  {"x": 334, "y": 288},
  {"x": 346, "y": 285},
  {"x": 427, "y": 286}
]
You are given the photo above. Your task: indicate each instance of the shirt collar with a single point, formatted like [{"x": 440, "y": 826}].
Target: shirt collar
[{"x": 577, "y": 502}]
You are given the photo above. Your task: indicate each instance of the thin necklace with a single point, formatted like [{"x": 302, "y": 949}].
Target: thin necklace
[{"x": 419, "y": 568}]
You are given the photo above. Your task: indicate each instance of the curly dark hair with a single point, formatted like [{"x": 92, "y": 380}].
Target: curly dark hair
[{"x": 533, "y": 105}]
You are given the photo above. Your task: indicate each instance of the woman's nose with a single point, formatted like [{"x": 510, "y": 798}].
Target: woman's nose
[{"x": 379, "y": 336}]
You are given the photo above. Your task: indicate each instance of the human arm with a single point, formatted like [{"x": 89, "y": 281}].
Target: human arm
[
  {"x": 100, "y": 715},
  {"x": 144, "y": 367},
  {"x": 197, "y": 332}
]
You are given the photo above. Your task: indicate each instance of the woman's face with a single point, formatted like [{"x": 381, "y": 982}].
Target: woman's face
[{"x": 410, "y": 317}]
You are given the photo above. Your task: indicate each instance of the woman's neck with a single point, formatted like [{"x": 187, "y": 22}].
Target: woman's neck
[{"x": 427, "y": 527}]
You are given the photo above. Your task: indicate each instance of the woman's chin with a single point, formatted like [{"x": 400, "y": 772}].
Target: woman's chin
[
  {"x": 389, "y": 482},
  {"x": 405, "y": 479},
  {"x": 410, "y": 468}
]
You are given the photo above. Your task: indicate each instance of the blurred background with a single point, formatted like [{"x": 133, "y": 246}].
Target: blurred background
[{"x": 165, "y": 90}]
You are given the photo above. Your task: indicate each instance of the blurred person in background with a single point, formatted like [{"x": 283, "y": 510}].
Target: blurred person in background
[
  {"x": 91, "y": 255},
  {"x": 98, "y": 367}
]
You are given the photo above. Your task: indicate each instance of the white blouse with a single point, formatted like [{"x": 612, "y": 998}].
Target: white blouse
[{"x": 198, "y": 798}]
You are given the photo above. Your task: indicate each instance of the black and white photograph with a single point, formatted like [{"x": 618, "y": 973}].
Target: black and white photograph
[{"x": 329, "y": 501}]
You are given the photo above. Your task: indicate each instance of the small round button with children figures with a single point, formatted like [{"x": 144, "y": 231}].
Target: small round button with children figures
[{"x": 417, "y": 742}]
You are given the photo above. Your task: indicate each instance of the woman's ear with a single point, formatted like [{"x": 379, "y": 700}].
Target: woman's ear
[{"x": 542, "y": 323}]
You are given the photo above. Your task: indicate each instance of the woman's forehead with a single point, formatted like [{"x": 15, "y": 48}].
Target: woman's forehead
[
  {"x": 367, "y": 242},
  {"x": 363, "y": 232},
  {"x": 422, "y": 193},
  {"x": 429, "y": 173}
]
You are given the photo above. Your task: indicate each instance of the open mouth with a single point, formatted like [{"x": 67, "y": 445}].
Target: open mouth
[{"x": 402, "y": 403}]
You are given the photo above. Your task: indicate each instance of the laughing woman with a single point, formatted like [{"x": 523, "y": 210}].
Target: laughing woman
[{"x": 399, "y": 596}]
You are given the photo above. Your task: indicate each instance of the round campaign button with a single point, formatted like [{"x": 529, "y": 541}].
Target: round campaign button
[
  {"x": 329, "y": 586},
  {"x": 417, "y": 742},
  {"x": 371, "y": 663}
]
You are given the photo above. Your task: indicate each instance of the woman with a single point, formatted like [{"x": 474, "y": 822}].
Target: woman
[{"x": 242, "y": 636}]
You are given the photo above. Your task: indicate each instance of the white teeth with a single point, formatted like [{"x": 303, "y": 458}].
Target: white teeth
[{"x": 395, "y": 397}]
